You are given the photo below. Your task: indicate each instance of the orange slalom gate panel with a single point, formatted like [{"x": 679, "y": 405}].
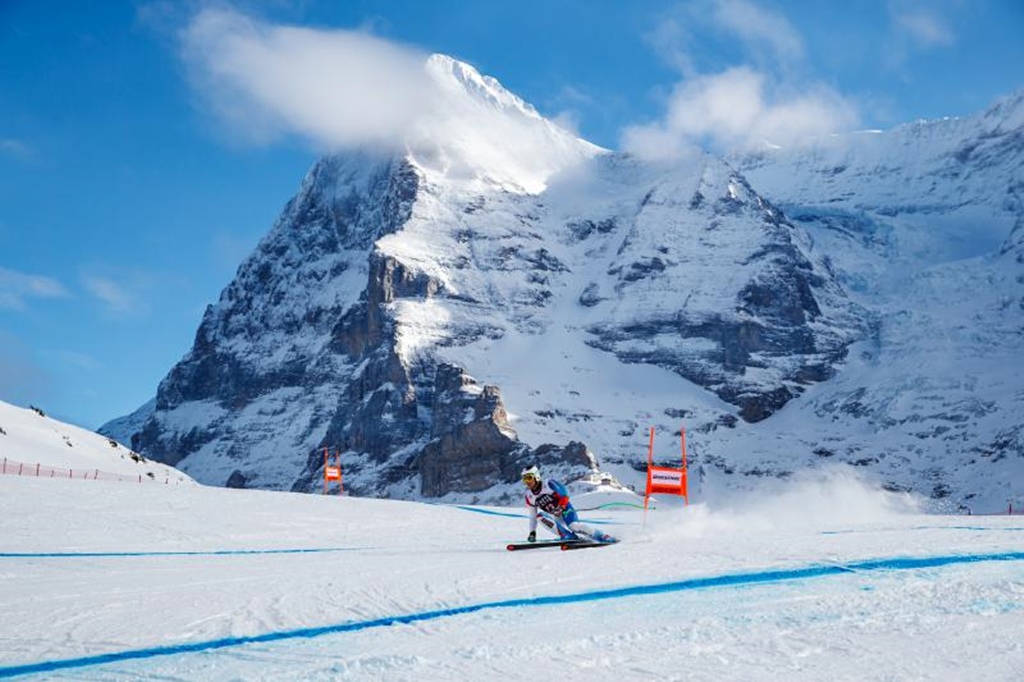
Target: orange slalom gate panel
[
  {"x": 666, "y": 480},
  {"x": 332, "y": 472}
]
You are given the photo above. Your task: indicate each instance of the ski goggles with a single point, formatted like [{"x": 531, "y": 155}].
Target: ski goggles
[{"x": 529, "y": 478}]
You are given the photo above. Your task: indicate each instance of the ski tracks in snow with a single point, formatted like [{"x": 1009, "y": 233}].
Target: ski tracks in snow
[{"x": 442, "y": 599}]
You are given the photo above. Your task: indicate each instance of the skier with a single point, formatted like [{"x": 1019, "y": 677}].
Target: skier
[{"x": 549, "y": 501}]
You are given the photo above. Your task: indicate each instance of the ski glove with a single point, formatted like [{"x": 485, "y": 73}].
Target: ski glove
[{"x": 532, "y": 537}]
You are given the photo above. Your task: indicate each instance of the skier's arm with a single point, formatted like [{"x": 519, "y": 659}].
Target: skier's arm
[{"x": 561, "y": 496}]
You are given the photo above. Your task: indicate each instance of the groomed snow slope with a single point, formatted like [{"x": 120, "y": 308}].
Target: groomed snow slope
[{"x": 826, "y": 580}]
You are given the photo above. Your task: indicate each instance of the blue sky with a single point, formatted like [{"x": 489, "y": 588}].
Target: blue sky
[{"x": 145, "y": 147}]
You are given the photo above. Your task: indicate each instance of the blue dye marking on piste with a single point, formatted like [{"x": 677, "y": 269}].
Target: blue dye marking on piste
[
  {"x": 738, "y": 579},
  {"x": 979, "y": 528},
  {"x": 222, "y": 552},
  {"x": 523, "y": 516},
  {"x": 972, "y": 528},
  {"x": 490, "y": 512}
]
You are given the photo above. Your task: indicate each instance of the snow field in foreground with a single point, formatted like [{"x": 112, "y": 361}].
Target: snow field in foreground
[{"x": 460, "y": 607}]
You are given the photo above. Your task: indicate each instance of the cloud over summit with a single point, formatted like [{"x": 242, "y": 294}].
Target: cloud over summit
[
  {"x": 341, "y": 89},
  {"x": 761, "y": 100}
]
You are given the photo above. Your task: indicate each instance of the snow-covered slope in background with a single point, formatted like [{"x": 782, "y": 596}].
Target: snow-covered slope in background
[
  {"x": 33, "y": 444},
  {"x": 920, "y": 194}
]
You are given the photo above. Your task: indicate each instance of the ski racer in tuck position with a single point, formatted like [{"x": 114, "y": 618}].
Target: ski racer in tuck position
[{"x": 549, "y": 502}]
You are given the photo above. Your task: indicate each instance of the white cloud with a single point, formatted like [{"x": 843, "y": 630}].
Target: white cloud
[
  {"x": 735, "y": 109},
  {"x": 671, "y": 41},
  {"x": 16, "y": 287},
  {"x": 925, "y": 29},
  {"x": 757, "y": 26},
  {"x": 342, "y": 89},
  {"x": 765, "y": 35},
  {"x": 336, "y": 88},
  {"x": 761, "y": 100},
  {"x": 112, "y": 294}
]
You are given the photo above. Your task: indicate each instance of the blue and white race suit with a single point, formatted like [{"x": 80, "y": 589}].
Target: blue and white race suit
[{"x": 551, "y": 501}]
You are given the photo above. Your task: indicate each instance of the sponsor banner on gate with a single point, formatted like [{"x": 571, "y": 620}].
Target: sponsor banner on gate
[
  {"x": 667, "y": 476},
  {"x": 666, "y": 480}
]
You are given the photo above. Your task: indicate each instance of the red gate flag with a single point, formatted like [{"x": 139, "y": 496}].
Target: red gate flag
[
  {"x": 333, "y": 473},
  {"x": 667, "y": 480}
]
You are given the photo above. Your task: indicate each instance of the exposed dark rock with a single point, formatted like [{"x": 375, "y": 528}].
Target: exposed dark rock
[
  {"x": 591, "y": 296},
  {"x": 473, "y": 443}
]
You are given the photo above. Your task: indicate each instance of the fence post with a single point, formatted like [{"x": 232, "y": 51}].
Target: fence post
[{"x": 37, "y": 468}]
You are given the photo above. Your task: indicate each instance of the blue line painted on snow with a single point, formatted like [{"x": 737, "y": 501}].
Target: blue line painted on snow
[
  {"x": 972, "y": 528},
  {"x": 610, "y": 505},
  {"x": 221, "y": 552},
  {"x": 983, "y": 528},
  {"x": 490, "y": 512},
  {"x": 733, "y": 580},
  {"x": 523, "y": 516}
]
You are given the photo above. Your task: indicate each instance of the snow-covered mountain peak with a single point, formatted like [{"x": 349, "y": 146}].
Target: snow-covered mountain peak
[
  {"x": 477, "y": 131},
  {"x": 457, "y": 76}
]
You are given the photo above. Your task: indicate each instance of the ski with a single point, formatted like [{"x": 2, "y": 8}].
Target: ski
[
  {"x": 584, "y": 544},
  {"x": 515, "y": 546}
]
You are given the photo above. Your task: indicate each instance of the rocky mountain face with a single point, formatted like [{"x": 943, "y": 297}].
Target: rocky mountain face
[
  {"x": 443, "y": 313},
  {"x": 922, "y": 226},
  {"x": 777, "y": 324}
]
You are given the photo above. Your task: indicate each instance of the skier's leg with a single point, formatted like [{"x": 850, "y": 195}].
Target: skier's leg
[
  {"x": 558, "y": 526},
  {"x": 549, "y": 525},
  {"x": 595, "y": 534},
  {"x": 564, "y": 530}
]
